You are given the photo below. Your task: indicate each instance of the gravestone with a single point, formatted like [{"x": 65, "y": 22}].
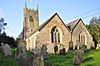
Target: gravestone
[
  {"x": 6, "y": 50},
  {"x": 22, "y": 58},
  {"x": 83, "y": 47},
  {"x": 55, "y": 49},
  {"x": 36, "y": 50},
  {"x": 62, "y": 51},
  {"x": 78, "y": 57},
  {"x": 2, "y": 45},
  {"x": 38, "y": 60},
  {"x": 44, "y": 52},
  {"x": 98, "y": 46},
  {"x": 21, "y": 50}
]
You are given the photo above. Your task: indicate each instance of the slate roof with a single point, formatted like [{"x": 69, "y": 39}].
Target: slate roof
[{"x": 72, "y": 24}]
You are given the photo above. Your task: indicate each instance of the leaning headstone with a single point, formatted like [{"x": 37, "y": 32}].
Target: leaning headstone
[
  {"x": 7, "y": 50},
  {"x": 78, "y": 57}
]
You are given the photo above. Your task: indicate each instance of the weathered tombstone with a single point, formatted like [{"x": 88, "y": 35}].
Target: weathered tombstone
[
  {"x": 2, "y": 45},
  {"x": 38, "y": 60},
  {"x": 98, "y": 46},
  {"x": 55, "y": 49},
  {"x": 6, "y": 50},
  {"x": 22, "y": 58},
  {"x": 44, "y": 52},
  {"x": 78, "y": 57},
  {"x": 41, "y": 60},
  {"x": 20, "y": 51},
  {"x": 62, "y": 51},
  {"x": 36, "y": 50},
  {"x": 19, "y": 57},
  {"x": 83, "y": 47}
]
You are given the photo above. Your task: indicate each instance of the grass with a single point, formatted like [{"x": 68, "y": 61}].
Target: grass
[
  {"x": 7, "y": 60},
  {"x": 91, "y": 58},
  {"x": 61, "y": 60},
  {"x": 10, "y": 60}
]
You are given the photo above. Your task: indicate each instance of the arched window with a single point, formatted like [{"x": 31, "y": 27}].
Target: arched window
[
  {"x": 82, "y": 38},
  {"x": 55, "y": 35},
  {"x": 31, "y": 19}
]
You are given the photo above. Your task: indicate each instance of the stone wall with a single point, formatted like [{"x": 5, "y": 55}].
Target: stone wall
[
  {"x": 75, "y": 35},
  {"x": 45, "y": 34}
]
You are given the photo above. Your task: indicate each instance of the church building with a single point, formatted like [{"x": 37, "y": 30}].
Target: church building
[{"x": 53, "y": 32}]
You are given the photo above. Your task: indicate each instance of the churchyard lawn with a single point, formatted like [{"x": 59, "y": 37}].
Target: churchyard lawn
[
  {"x": 91, "y": 58},
  {"x": 7, "y": 60}
]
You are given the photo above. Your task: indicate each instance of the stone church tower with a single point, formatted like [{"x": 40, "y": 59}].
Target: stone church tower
[{"x": 31, "y": 21}]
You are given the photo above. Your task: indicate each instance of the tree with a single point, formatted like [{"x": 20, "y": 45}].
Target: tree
[
  {"x": 95, "y": 20},
  {"x": 7, "y": 40},
  {"x": 2, "y": 24},
  {"x": 94, "y": 29},
  {"x": 3, "y": 37}
]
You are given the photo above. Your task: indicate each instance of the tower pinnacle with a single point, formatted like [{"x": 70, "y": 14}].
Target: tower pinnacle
[
  {"x": 37, "y": 4},
  {"x": 25, "y": 5},
  {"x": 37, "y": 7}
]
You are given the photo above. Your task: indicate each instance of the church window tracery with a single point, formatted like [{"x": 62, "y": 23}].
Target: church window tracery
[
  {"x": 82, "y": 38},
  {"x": 55, "y": 35}
]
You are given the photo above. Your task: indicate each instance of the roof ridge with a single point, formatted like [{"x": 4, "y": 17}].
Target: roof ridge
[{"x": 71, "y": 25}]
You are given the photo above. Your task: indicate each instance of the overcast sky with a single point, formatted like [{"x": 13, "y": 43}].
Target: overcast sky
[{"x": 69, "y": 10}]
